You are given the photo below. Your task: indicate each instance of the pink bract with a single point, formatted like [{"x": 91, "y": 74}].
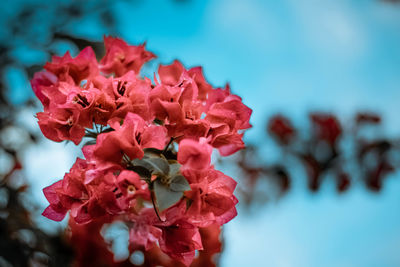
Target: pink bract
[
  {"x": 121, "y": 57},
  {"x": 194, "y": 155},
  {"x": 147, "y": 151}
]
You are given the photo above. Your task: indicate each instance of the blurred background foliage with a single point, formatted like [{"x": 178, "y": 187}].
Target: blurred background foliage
[
  {"x": 355, "y": 153},
  {"x": 350, "y": 151}
]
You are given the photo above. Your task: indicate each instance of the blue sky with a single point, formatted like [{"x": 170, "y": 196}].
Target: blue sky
[{"x": 290, "y": 56}]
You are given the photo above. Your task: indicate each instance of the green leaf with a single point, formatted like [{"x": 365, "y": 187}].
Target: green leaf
[
  {"x": 89, "y": 142},
  {"x": 179, "y": 184},
  {"x": 152, "y": 152},
  {"x": 159, "y": 122},
  {"x": 165, "y": 197},
  {"x": 107, "y": 130},
  {"x": 142, "y": 171},
  {"x": 174, "y": 168},
  {"x": 154, "y": 165},
  {"x": 90, "y": 134}
]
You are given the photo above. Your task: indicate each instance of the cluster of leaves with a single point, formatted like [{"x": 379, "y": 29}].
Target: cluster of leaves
[
  {"x": 169, "y": 184},
  {"x": 357, "y": 153}
]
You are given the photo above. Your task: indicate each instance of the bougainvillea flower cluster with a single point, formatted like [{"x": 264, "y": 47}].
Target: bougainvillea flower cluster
[{"x": 148, "y": 145}]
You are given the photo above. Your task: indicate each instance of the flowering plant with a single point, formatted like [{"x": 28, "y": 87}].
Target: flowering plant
[{"x": 148, "y": 155}]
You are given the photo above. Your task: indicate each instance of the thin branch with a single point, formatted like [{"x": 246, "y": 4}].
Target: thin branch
[
  {"x": 167, "y": 146},
  {"x": 154, "y": 206}
]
